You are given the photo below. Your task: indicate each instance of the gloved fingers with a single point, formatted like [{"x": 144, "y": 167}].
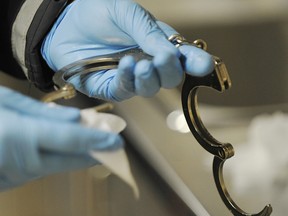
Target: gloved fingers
[
  {"x": 115, "y": 85},
  {"x": 152, "y": 37},
  {"x": 25, "y": 105},
  {"x": 142, "y": 27},
  {"x": 122, "y": 86},
  {"x": 169, "y": 70},
  {"x": 196, "y": 61},
  {"x": 129, "y": 79},
  {"x": 167, "y": 29},
  {"x": 143, "y": 78},
  {"x": 73, "y": 138},
  {"x": 147, "y": 82},
  {"x": 29, "y": 147},
  {"x": 19, "y": 158},
  {"x": 66, "y": 146},
  {"x": 86, "y": 84},
  {"x": 57, "y": 163}
]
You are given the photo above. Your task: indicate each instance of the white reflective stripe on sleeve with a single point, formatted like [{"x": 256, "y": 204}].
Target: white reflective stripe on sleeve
[{"x": 20, "y": 29}]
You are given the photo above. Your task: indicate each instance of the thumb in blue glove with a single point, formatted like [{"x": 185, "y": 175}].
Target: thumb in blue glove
[
  {"x": 89, "y": 28},
  {"x": 37, "y": 140}
]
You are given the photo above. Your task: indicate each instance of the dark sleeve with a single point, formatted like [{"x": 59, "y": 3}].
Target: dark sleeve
[
  {"x": 8, "y": 12},
  {"x": 24, "y": 24}
]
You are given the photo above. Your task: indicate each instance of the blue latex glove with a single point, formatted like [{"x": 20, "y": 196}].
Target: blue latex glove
[
  {"x": 89, "y": 28},
  {"x": 37, "y": 140}
]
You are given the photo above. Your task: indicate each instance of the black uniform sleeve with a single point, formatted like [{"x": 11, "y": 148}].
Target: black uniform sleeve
[
  {"x": 24, "y": 24},
  {"x": 8, "y": 12}
]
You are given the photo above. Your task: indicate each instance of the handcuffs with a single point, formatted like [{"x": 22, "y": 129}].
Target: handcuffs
[{"x": 218, "y": 80}]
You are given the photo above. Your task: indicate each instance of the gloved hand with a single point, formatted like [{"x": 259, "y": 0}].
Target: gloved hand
[
  {"x": 37, "y": 140},
  {"x": 89, "y": 28}
]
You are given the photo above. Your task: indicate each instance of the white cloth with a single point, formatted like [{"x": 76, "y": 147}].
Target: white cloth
[{"x": 116, "y": 161}]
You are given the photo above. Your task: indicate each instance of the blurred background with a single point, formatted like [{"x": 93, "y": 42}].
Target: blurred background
[{"x": 252, "y": 39}]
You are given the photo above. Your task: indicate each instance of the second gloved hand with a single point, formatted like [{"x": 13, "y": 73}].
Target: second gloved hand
[
  {"x": 89, "y": 28},
  {"x": 37, "y": 140}
]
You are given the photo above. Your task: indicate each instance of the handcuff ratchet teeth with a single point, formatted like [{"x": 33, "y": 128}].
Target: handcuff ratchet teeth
[{"x": 218, "y": 80}]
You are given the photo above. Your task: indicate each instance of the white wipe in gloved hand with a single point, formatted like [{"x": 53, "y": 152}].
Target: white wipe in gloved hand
[{"x": 115, "y": 160}]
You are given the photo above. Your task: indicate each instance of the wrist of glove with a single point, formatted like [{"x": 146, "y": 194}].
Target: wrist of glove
[
  {"x": 89, "y": 28},
  {"x": 37, "y": 140}
]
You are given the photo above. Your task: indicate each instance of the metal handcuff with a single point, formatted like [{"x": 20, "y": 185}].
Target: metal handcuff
[{"x": 218, "y": 80}]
